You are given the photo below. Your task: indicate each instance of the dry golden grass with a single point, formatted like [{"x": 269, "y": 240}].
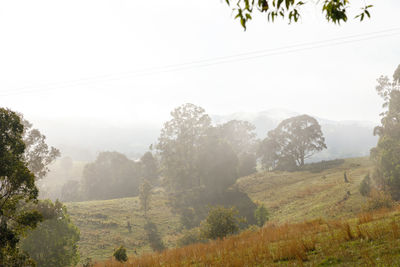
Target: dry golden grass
[{"x": 368, "y": 239}]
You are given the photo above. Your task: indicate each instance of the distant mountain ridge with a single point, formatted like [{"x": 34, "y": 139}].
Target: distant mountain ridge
[{"x": 82, "y": 139}]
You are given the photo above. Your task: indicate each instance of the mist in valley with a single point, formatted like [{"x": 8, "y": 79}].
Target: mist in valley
[{"x": 205, "y": 133}]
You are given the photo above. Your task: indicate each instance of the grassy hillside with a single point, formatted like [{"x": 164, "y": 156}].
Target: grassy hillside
[
  {"x": 103, "y": 225},
  {"x": 372, "y": 239},
  {"x": 296, "y": 196},
  {"x": 290, "y": 197}
]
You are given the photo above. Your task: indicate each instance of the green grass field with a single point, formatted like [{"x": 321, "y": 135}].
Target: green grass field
[{"x": 290, "y": 197}]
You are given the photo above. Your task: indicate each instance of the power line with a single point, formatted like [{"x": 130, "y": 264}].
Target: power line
[{"x": 210, "y": 62}]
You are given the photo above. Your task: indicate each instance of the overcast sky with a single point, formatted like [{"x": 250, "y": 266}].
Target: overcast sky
[{"x": 79, "y": 59}]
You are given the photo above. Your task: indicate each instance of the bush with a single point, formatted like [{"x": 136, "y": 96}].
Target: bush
[
  {"x": 189, "y": 237},
  {"x": 379, "y": 200},
  {"x": 220, "y": 223},
  {"x": 153, "y": 236},
  {"x": 55, "y": 240},
  {"x": 365, "y": 186},
  {"x": 120, "y": 254},
  {"x": 261, "y": 214}
]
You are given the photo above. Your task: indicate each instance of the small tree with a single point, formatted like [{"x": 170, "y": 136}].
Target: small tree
[
  {"x": 261, "y": 214},
  {"x": 145, "y": 196},
  {"x": 365, "y": 186},
  {"x": 345, "y": 177},
  {"x": 120, "y": 254},
  {"x": 153, "y": 236},
  {"x": 55, "y": 241},
  {"x": 220, "y": 223}
]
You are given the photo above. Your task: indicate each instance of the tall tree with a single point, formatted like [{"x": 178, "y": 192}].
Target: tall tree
[
  {"x": 179, "y": 144},
  {"x": 111, "y": 175},
  {"x": 241, "y": 136},
  {"x": 17, "y": 185},
  {"x": 198, "y": 163},
  {"x": 335, "y": 11},
  {"x": 37, "y": 153},
  {"x": 294, "y": 140},
  {"x": 387, "y": 152},
  {"x": 150, "y": 166},
  {"x": 145, "y": 196}
]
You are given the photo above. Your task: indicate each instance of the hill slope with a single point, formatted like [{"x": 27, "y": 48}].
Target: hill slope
[
  {"x": 290, "y": 197},
  {"x": 296, "y": 196}
]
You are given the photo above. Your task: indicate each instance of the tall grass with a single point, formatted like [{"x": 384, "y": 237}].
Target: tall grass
[{"x": 308, "y": 243}]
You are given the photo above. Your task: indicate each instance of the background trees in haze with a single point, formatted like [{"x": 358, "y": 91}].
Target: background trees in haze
[
  {"x": 111, "y": 175},
  {"x": 291, "y": 142},
  {"x": 200, "y": 163},
  {"x": 387, "y": 152}
]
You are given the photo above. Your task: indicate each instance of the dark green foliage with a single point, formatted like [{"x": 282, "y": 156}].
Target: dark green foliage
[
  {"x": 112, "y": 175},
  {"x": 220, "y": 223},
  {"x": 17, "y": 187},
  {"x": 198, "y": 202},
  {"x": 291, "y": 142},
  {"x": 54, "y": 242},
  {"x": 387, "y": 152},
  {"x": 261, "y": 214},
  {"x": 334, "y": 10},
  {"x": 120, "y": 254},
  {"x": 153, "y": 236},
  {"x": 365, "y": 186}
]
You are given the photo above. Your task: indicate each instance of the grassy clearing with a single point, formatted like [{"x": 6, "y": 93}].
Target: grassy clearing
[
  {"x": 289, "y": 196},
  {"x": 370, "y": 240},
  {"x": 103, "y": 225}
]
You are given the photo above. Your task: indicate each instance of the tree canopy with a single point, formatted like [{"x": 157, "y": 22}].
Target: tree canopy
[
  {"x": 17, "y": 186},
  {"x": 335, "y": 11},
  {"x": 53, "y": 242},
  {"x": 291, "y": 142},
  {"x": 387, "y": 152},
  {"x": 200, "y": 162},
  {"x": 111, "y": 175}
]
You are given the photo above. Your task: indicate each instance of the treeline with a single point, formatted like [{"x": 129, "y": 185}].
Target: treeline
[{"x": 197, "y": 153}]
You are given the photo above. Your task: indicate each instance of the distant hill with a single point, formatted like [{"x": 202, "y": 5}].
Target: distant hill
[{"x": 82, "y": 139}]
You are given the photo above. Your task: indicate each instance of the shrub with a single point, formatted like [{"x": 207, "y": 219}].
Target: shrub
[
  {"x": 189, "y": 237},
  {"x": 220, "y": 223},
  {"x": 261, "y": 214},
  {"x": 365, "y": 186},
  {"x": 153, "y": 236},
  {"x": 379, "y": 200},
  {"x": 120, "y": 254}
]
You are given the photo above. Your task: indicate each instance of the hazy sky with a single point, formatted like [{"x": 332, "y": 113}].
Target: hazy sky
[{"x": 78, "y": 59}]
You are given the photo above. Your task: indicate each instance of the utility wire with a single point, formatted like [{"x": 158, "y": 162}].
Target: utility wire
[{"x": 209, "y": 62}]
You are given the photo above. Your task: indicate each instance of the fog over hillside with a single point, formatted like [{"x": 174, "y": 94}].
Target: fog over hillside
[{"x": 82, "y": 139}]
